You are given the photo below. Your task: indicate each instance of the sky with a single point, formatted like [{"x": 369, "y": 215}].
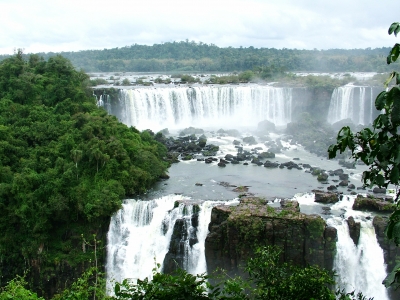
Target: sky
[{"x": 75, "y": 25}]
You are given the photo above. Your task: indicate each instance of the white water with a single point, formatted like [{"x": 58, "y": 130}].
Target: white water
[
  {"x": 179, "y": 107},
  {"x": 362, "y": 267},
  {"x": 140, "y": 234},
  {"x": 352, "y": 102}
]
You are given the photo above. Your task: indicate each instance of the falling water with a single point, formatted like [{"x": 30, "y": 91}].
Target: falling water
[
  {"x": 179, "y": 107},
  {"x": 359, "y": 267},
  {"x": 352, "y": 102},
  {"x": 140, "y": 233},
  {"x": 104, "y": 101}
]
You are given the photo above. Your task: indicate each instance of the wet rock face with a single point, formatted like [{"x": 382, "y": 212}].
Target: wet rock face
[
  {"x": 183, "y": 237},
  {"x": 235, "y": 232},
  {"x": 354, "y": 229},
  {"x": 391, "y": 252}
]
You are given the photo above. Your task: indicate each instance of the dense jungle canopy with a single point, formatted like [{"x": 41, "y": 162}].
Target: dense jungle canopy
[
  {"x": 200, "y": 57},
  {"x": 65, "y": 165}
]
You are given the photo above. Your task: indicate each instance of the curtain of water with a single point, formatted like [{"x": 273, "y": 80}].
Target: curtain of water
[
  {"x": 140, "y": 233},
  {"x": 178, "y": 107},
  {"x": 346, "y": 105}
]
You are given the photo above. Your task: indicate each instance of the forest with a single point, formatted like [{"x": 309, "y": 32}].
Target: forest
[
  {"x": 65, "y": 166},
  {"x": 201, "y": 57}
]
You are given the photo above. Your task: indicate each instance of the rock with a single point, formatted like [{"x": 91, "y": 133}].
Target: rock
[
  {"x": 191, "y": 130},
  {"x": 322, "y": 177},
  {"x": 344, "y": 183},
  {"x": 198, "y": 184},
  {"x": 338, "y": 172},
  {"x": 351, "y": 186},
  {"x": 202, "y": 142},
  {"x": 164, "y": 176},
  {"x": 266, "y": 155},
  {"x": 325, "y": 197},
  {"x": 241, "y": 189},
  {"x": 187, "y": 157},
  {"x": 315, "y": 171},
  {"x": 377, "y": 190},
  {"x": 220, "y": 164},
  {"x": 331, "y": 188},
  {"x": 236, "y": 143},
  {"x": 266, "y": 127},
  {"x": 233, "y": 232},
  {"x": 354, "y": 229},
  {"x": 306, "y": 166},
  {"x": 269, "y": 164},
  {"x": 249, "y": 140},
  {"x": 290, "y": 165},
  {"x": 373, "y": 204},
  {"x": 344, "y": 176}
]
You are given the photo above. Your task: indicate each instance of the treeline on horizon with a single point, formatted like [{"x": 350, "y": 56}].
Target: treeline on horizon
[{"x": 202, "y": 57}]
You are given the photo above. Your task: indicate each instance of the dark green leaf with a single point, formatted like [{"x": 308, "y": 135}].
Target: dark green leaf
[
  {"x": 395, "y": 52},
  {"x": 393, "y": 27},
  {"x": 391, "y": 277},
  {"x": 396, "y": 233},
  {"x": 117, "y": 288},
  {"x": 394, "y": 175},
  {"x": 380, "y": 100},
  {"x": 395, "y": 113},
  {"x": 379, "y": 180}
]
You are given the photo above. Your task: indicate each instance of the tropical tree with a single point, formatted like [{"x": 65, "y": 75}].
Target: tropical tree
[{"x": 379, "y": 148}]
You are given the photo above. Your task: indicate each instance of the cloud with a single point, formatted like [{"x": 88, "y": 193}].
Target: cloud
[{"x": 58, "y": 25}]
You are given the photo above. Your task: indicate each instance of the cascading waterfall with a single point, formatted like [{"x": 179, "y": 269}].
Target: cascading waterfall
[
  {"x": 359, "y": 267},
  {"x": 140, "y": 233},
  {"x": 178, "y": 107},
  {"x": 352, "y": 102}
]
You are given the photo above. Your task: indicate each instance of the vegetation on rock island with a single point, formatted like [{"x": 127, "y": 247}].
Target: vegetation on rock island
[
  {"x": 379, "y": 148},
  {"x": 65, "y": 166}
]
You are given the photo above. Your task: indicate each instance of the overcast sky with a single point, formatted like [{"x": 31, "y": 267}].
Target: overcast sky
[{"x": 73, "y": 25}]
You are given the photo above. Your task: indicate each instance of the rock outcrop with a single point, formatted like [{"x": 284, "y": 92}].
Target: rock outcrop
[
  {"x": 373, "y": 204},
  {"x": 235, "y": 231}
]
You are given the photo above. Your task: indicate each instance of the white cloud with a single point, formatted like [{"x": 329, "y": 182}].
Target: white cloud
[{"x": 58, "y": 25}]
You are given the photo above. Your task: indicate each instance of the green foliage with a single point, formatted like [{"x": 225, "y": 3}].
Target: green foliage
[
  {"x": 84, "y": 288},
  {"x": 269, "y": 278},
  {"x": 164, "y": 286},
  {"x": 126, "y": 82},
  {"x": 277, "y": 280},
  {"x": 189, "y": 79},
  {"x": 15, "y": 289},
  {"x": 98, "y": 81},
  {"x": 202, "y": 57},
  {"x": 65, "y": 165}
]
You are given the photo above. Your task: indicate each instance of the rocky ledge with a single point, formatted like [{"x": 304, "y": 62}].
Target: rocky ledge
[
  {"x": 373, "y": 204},
  {"x": 235, "y": 232}
]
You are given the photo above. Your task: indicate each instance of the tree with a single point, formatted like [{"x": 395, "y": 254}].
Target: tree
[{"x": 379, "y": 148}]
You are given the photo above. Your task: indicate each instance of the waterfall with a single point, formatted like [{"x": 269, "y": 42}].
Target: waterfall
[
  {"x": 359, "y": 267},
  {"x": 352, "y": 102},
  {"x": 104, "y": 101},
  {"x": 140, "y": 234},
  {"x": 179, "y": 107}
]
